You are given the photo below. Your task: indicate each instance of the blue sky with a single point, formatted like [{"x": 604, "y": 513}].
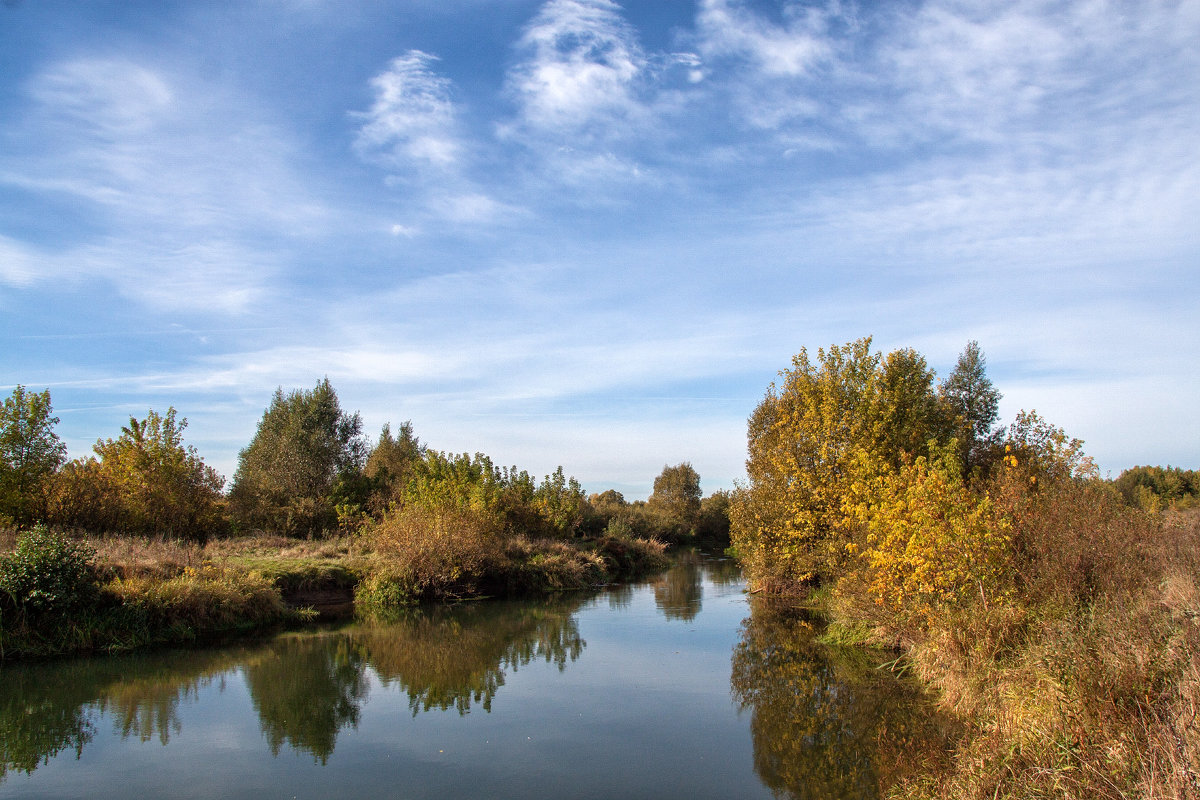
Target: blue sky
[{"x": 586, "y": 233}]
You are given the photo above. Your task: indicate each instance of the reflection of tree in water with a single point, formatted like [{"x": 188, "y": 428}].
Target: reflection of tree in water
[
  {"x": 40, "y": 716},
  {"x": 306, "y": 689},
  {"x": 455, "y": 656},
  {"x": 722, "y": 572},
  {"x": 53, "y": 707},
  {"x": 678, "y": 592},
  {"x": 824, "y": 725},
  {"x": 619, "y": 596}
]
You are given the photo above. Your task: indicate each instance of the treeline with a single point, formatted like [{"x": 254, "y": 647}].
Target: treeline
[
  {"x": 1057, "y": 619},
  {"x": 309, "y": 472},
  {"x": 89, "y": 548},
  {"x": 1158, "y": 488}
]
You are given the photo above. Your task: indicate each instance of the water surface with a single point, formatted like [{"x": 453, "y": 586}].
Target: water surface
[{"x": 677, "y": 687}]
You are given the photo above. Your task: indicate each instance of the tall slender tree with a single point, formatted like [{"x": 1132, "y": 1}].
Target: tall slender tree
[
  {"x": 30, "y": 452},
  {"x": 969, "y": 397}
]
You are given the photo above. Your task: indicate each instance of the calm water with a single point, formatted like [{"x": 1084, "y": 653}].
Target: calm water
[{"x": 677, "y": 687}]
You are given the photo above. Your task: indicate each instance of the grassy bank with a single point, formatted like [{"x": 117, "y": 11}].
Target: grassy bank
[
  {"x": 1082, "y": 681},
  {"x": 60, "y": 594}
]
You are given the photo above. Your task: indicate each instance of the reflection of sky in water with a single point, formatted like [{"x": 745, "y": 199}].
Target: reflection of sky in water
[{"x": 641, "y": 707}]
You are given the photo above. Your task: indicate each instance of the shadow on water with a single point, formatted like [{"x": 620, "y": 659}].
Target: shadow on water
[{"x": 826, "y": 722}]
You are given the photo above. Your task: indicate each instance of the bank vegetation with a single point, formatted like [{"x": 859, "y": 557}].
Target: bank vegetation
[
  {"x": 1055, "y": 613},
  {"x": 141, "y": 543}
]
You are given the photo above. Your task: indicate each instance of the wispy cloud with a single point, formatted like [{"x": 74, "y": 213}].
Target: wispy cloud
[
  {"x": 580, "y": 71},
  {"x": 413, "y": 123},
  {"x": 186, "y": 197},
  {"x": 413, "y": 130},
  {"x": 793, "y": 48}
]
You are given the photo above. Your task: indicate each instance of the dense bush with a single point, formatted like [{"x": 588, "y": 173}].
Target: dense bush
[
  {"x": 47, "y": 575},
  {"x": 1053, "y": 617}
]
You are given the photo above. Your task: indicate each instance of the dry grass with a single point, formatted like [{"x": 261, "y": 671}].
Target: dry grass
[
  {"x": 1087, "y": 685},
  {"x": 209, "y": 599},
  {"x": 133, "y": 556}
]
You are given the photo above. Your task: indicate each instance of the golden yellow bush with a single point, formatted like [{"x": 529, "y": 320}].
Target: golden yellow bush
[{"x": 932, "y": 541}]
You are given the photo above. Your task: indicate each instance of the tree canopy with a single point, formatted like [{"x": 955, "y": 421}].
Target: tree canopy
[
  {"x": 30, "y": 452},
  {"x": 824, "y": 428},
  {"x": 286, "y": 476},
  {"x": 969, "y": 396}
]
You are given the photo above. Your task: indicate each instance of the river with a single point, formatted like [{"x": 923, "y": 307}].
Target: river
[{"x": 681, "y": 686}]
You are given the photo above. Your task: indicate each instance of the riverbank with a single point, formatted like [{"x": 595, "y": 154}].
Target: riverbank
[
  {"x": 1082, "y": 683},
  {"x": 60, "y": 595}
]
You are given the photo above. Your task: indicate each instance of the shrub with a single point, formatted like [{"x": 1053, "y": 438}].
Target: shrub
[
  {"x": 47, "y": 575},
  {"x": 438, "y": 552},
  {"x": 932, "y": 542}
]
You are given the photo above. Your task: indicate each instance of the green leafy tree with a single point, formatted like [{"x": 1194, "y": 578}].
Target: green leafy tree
[
  {"x": 712, "y": 527},
  {"x": 286, "y": 476},
  {"x": 30, "y": 453},
  {"x": 677, "y": 495},
  {"x": 1155, "y": 488},
  {"x": 391, "y": 462},
  {"x": 973, "y": 402}
]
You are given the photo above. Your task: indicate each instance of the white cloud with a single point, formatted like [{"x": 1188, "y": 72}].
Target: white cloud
[
  {"x": 727, "y": 29},
  {"x": 581, "y": 70},
  {"x": 413, "y": 121},
  {"x": 114, "y": 97},
  {"x": 16, "y": 263}
]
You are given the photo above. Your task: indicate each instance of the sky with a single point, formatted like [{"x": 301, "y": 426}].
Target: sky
[{"x": 588, "y": 233}]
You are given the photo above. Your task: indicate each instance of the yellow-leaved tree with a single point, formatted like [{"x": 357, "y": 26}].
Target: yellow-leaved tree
[
  {"x": 931, "y": 541},
  {"x": 824, "y": 429}
]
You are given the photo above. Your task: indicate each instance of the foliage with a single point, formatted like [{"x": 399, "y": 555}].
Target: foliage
[
  {"x": 47, "y": 576},
  {"x": 510, "y": 497},
  {"x": 286, "y": 476},
  {"x": 391, "y": 462},
  {"x": 827, "y": 427},
  {"x": 144, "y": 482},
  {"x": 1156, "y": 488},
  {"x": 435, "y": 552},
  {"x": 677, "y": 496},
  {"x": 973, "y": 404},
  {"x": 712, "y": 528},
  {"x": 30, "y": 453},
  {"x": 1044, "y": 452},
  {"x": 931, "y": 541}
]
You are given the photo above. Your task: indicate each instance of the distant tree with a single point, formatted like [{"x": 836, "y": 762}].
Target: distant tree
[
  {"x": 30, "y": 452},
  {"x": 1155, "y": 488},
  {"x": 712, "y": 528},
  {"x": 559, "y": 503},
  {"x": 969, "y": 397},
  {"x": 677, "y": 496},
  {"x": 394, "y": 456},
  {"x": 286, "y": 476}
]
